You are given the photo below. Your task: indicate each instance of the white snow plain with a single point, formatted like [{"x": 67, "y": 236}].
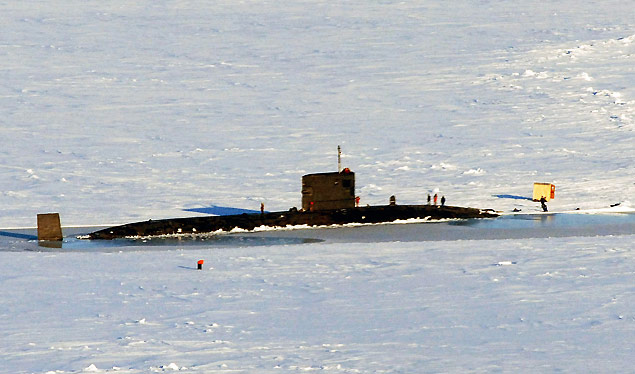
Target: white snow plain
[
  {"x": 120, "y": 111},
  {"x": 536, "y": 305}
]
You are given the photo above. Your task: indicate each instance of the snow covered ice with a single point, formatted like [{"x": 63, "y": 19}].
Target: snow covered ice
[
  {"x": 123, "y": 111},
  {"x": 537, "y": 305},
  {"x": 118, "y": 112}
]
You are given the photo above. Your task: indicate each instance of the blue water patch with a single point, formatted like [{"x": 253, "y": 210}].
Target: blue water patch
[
  {"x": 160, "y": 243},
  {"x": 29, "y": 243},
  {"x": 549, "y": 220}
]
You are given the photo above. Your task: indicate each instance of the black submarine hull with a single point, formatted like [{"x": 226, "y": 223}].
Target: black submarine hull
[{"x": 210, "y": 224}]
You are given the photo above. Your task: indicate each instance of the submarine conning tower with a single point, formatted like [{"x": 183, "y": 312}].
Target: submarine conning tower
[{"x": 322, "y": 191}]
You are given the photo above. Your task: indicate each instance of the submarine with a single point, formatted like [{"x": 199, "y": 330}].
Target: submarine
[{"x": 328, "y": 199}]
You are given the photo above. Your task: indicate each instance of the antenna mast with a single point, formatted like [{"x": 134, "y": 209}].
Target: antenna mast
[{"x": 339, "y": 159}]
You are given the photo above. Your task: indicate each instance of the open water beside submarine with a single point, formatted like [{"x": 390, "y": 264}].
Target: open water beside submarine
[{"x": 512, "y": 226}]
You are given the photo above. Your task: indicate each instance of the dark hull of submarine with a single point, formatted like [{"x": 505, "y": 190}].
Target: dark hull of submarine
[
  {"x": 326, "y": 217},
  {"x": 327, "y": 199}
]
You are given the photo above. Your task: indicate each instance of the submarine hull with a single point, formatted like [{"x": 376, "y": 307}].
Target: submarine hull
[{"x": 369, "y": 214}]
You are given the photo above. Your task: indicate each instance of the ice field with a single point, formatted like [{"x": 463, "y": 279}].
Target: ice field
[
  {"x": 117, "y": 112},
  {"x": 533, "y": 305},
  {"x": 112, "y": 112}
]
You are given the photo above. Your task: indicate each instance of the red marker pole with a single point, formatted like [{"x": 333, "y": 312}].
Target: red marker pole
[{"x": 200, "y": 264}]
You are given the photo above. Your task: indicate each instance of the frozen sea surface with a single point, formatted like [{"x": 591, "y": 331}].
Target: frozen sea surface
[
  {"x": 119, "y": 111},
  {"x": 530, "y": 305}
]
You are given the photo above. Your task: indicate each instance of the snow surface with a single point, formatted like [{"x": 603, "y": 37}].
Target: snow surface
[
  {"x": 118, "y": 111},
  {"x": 536, "y": 305}
]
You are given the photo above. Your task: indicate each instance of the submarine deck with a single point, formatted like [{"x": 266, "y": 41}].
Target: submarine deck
[{"x": 369, "y": 214}]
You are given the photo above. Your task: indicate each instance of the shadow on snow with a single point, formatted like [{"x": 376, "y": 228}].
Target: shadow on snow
[{"x": 221, "y": 210}]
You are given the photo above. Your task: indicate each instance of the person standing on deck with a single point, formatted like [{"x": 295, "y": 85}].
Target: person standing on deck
[{"x": 543, "y": 204}]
